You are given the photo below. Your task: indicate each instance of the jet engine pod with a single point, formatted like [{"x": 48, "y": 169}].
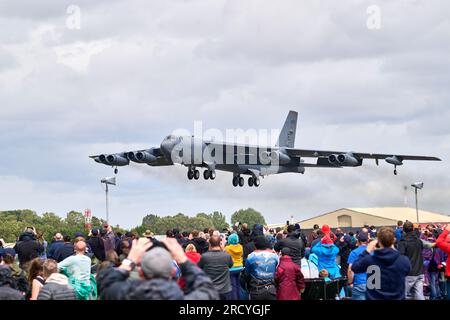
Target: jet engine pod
[
  {"x": 144, "y": 157},
  {"x": 116, "y": 160},
  {"x": 333, "y": 159},
  {"x": 348, "y": 160},
  {"x": 280, "y": 157},
  {"x": 396, "y": 161}
]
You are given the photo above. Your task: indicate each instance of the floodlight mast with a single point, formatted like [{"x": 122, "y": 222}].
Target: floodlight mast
[
  {"x": 416, "y": 186},
  {"x": 108, "y": 181}
]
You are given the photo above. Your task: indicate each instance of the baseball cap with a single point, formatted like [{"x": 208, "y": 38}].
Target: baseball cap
[{"x": 157, "y": 263}]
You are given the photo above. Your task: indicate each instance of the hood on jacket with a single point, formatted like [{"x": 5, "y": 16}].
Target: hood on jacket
[
  {"x": 58, "y": 278},
  {"x": 235, "y": 248},
  {"x": 386, "y": 255},
  {"x": 27, "y": 236},
  {"x": 157, "y": 289}
]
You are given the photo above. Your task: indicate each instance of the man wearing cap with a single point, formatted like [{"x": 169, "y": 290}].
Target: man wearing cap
[
  {"x": 155, "y": 267},
  {"x": 296, "y": 245},
  {"x": 97, "y": 245},
  {"x": 358, "y": 281}
]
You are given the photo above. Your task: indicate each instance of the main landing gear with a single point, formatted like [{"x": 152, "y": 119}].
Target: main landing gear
[
  {"x": 195, "y": 174},
  {"x": 395, "y": 170},
  {"x": 239, "y": 181}
]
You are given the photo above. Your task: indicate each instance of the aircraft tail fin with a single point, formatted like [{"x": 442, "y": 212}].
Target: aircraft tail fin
[{"x": 287, "y": 134}]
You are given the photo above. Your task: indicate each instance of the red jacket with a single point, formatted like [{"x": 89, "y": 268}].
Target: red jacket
[
  {"x": 194, "y": 257},
  {"x": 443, "y": 243},
  {"x": 289, "y": 280}
]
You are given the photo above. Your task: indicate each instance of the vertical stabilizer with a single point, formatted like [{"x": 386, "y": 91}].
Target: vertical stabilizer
[{"x": 287, "y": 134}]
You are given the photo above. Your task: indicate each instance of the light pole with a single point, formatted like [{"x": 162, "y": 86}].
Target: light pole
[
  {"x": 416, "y": 186},
  {"x": 108, "y": 181}
]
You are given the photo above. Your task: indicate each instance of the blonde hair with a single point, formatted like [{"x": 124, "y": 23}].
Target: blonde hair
[{"x": 190, "y": 248}]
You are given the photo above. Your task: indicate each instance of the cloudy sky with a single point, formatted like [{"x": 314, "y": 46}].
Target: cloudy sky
[{"x": 136, "y": 70}]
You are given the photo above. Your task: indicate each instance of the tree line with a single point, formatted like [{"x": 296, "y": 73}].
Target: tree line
[{"x": 13, "y": 222}]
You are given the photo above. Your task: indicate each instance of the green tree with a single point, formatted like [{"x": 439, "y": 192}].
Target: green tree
[
  {"x": 219, "y": 220},
  {"x": 249, "y": 216}
]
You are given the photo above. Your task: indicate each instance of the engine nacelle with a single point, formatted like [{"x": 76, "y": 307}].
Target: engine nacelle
[
  {"x": 143, "y": 157},
  {"x": 280, "y": 157},
  {"x": 348, "y": 160},
  {"x": 396, "y": 161},
  {"x": 333, "y": 159},
  {"x": 116, "y": 160}
]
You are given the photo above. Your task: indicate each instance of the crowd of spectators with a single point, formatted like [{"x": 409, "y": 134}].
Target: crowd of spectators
[{"x": 242, "y": 263}]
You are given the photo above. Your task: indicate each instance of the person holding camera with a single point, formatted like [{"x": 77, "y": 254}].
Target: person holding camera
[
  {"x": 154, "y": 264},
  {"x": 28, "y": 247},
  {"x": 385, "y": 267}
]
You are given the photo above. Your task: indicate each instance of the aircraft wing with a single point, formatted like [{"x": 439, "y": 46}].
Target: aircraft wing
[
  {"x": 303, "y": 153},
  {"x": 152, "y": 157}
]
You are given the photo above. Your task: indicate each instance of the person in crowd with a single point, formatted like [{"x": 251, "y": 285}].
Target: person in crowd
[
  {"x": 357, "y": 281},
  {"x": 412, "y": 247},
  {"x": 109, "y": 238},
  {"x": 44, "y": 243},
  {"x": 292, "y": 241},
  {"x": 244, "y": 234},
  {"x": 235, "y": 249},
  {"x": 56, "y": 285},
  {"x": 78, "y": 269},
  {"x": 386, "y": 267},
  {"x": 125, "y": 247},
  {"x": 201, "y": 245},
  {"x": 216, "y": 264},
  {"x": 35, "y": 277},
  {"x": 8, "y": 286},
  {"x": 194, "y": 257},
  {"x": 325, "y": 275},
  {"x": 64, "y": 251},
  {"x": 373, "y": 232},
  {"x": 28, "y": 247},
  {"x": 97, "y": 245},
  {"x": 19, "y": 275},
  {"x": 156, "y": 270},
  {"x": 289, "y": 279},
  {"x": 4, "y": 249},
  {"x": 326, "y": 252},
  {"x": 344, "y": 243},
  {"x": 260, "y": 269},
  {"x": 56, "y": 243},
  {"x": 320, "y": 235},
  {"x": 313, "y": 235},
  {"x": 399, "y": 232},
  {"x": 443, "y": 243}
]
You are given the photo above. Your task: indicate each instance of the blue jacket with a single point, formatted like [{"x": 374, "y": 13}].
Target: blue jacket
[
  {"x": 52, "y": 248},
  {"x": 393, "y": 267},
  {"x": 398, "y": 234},
  {"x": 326, "y": 253}
]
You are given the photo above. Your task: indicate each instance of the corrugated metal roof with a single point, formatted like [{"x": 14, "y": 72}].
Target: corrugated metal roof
[{"x": 404, "y": 213}]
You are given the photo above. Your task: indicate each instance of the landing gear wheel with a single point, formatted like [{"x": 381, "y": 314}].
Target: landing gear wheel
[
  {"x": 116, "y": 171},
  {"x": 395, "y": 172},
  {"x": 190, "y": 174},
  {"x": 250, "y": 182},
  {"x": 212, "y": 175},
  {"x": 256, "y": 182},
  {"x": 235, "y": 181},
  {"x": 196, "y": 174},
  {"x": 206, "y": 174},
  {"x": 241, "y": 182}
]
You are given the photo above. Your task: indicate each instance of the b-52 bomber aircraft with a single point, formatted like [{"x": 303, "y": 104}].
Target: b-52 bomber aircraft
[{"x": 243, "y": 159}]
